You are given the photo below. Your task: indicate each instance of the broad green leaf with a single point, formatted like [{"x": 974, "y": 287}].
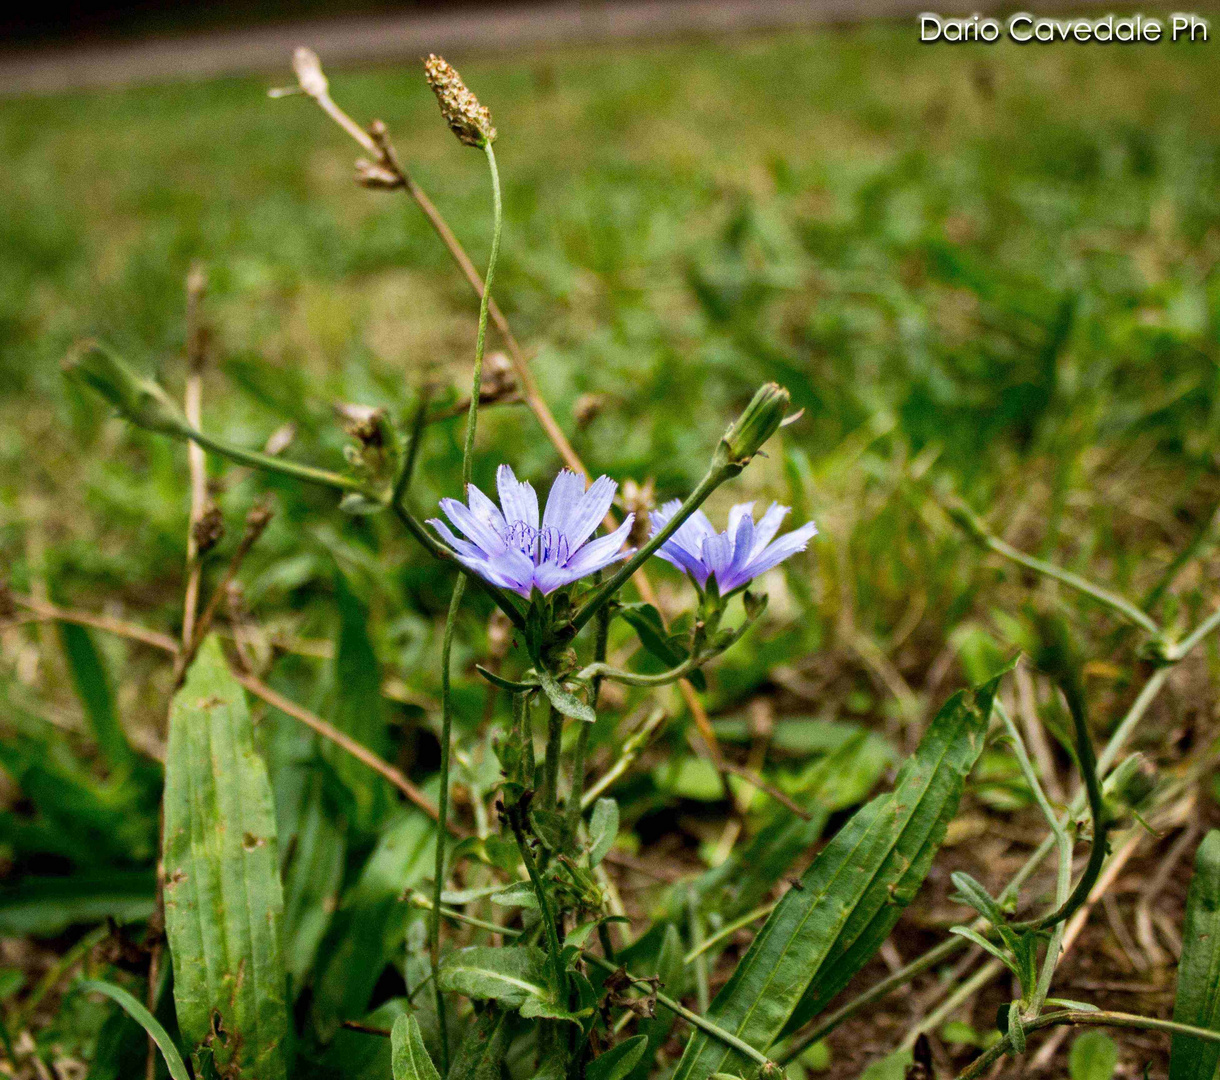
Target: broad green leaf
[
  {"x": 223, "y": 900},
  {"x": 481, "y": 1053},
  {"x": 366, "y": 932},
  {"x": 410, "y": 1060},
  {"x": 1198, "y": 997},
  {"x": 518, "y": 894},
  {"x": 566, "y": 703},
  {"x": 158, "y": 1034},
  {"x": 617, "y": 1062},
  {"x": 542, "y": 1008},
  {"x": 1094, "y": 1056},
  {"x": 603, "y": 829},
  {"x": 93, "y": 688},
  {"x": 510, "y": 975},
  {"x": 820, "y": 934},
  {"x": 837, "y": 781},
  {"x": 358, "y": 707},
  {"x": 47, "y": 906}
]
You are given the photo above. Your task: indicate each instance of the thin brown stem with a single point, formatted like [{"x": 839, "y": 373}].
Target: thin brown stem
[
  {"x": 192, "y": 406},
  {"x": 256, "y": 521},
  {"x": 345, "y": 742},
  {"x": 376, "y": 142},
  {"x": 45, "y": 611}
]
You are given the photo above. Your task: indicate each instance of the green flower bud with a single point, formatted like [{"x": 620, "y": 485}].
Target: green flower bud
[
  {"x": 760, "y": 420},
  {"x": 139, "y": 400}
]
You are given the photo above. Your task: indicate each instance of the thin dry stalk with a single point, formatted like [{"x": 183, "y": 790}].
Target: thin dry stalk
[
  {"x": 256, "y": 521},
  {"x": 196, "y": 285},
  {"x": 345, "y": 742},
  {"x": 1035, "y": 734},
  {"x": 1143, "y": 911},
  {"x": 44, "y": 611},
  {"x": 386, "y": 171}
]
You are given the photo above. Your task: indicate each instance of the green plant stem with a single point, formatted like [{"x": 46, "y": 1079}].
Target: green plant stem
[
  {"x": 728, "y": 930},
  {"x": 936, "y": 955},
  {"x": 632, "y": 748},
  {"x": 960, "y": 513},
  {"x": 550, "y": 765},
  {"x": 481, "y": 338},
  {"x": 1087, "y": 761},
  {"x": 57, "y": 971},
  {"x": 544, "y": 904},
  {"x": 1083, "y": 1018},
  {"x": 601, "y": 641},
  {"x": 697, "y": 659},
  {"x": 692, "y": 1018},
  {"x": 418, "y": 422},
  {"x": 1198, "y": 634},
  {"x": 459, "y": 587},
  {"x": 953, "y": 1002},
  {"x": 420, "y": 901},
  {"x": 268, "y": 463},
  {"x": 713, "y": 478},
  {"x": 1063, "y": 882},
  {"x": 703, "y": 994},
  {"x": 442, "y": 808}
]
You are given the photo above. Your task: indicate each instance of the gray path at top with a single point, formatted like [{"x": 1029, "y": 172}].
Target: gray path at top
[{"x": 372, "y": 39}]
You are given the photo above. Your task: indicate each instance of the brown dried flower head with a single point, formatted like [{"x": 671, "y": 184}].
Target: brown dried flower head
[{"x": 469, "y": 121}]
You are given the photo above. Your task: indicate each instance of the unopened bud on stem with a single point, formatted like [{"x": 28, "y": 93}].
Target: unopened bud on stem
[
  {"x": 469, "y": 121},
  {"x": 760, "y": 420},
  {"x": 138, "y": 400}
]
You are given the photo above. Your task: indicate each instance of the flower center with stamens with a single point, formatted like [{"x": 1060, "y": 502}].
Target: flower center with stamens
[
  {"x": 554, "y": 546},
  {"x": 523, "y": 537}
]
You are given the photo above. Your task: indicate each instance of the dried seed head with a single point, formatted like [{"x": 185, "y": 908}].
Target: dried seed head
[
  {"x": 499, "y": 379},
  {"x": 468, "y": 120},
  {"x": 586, "y": 409},
  {"x": 372, "y": 175},
  {"x": 209, "y": 530}
]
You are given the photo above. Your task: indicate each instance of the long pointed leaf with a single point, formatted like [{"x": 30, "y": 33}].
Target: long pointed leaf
[
  {"x": 358, "y": 710},
  {"x": 1198, "y": 997},
  {"x": 223, "y": 900},
  {"x": 158, "y": 1034},
  {"x": 856, "y": 888},
  {"x": 93, "y": 688}
]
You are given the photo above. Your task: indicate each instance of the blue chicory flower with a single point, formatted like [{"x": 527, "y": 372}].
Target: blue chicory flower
[
  {"x": 507, "y": 546},
  {"x": 736, "y": 556}
]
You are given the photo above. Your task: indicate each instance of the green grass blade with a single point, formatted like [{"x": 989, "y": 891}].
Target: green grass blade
[
  {"x": 93, "y": 688},
  {"x": 358, "y": 709},
  {"x": 158, "y": 1034},
  {"x": 366, "y": 932},
  {"x": 223, "y": 899},
  {"x": 1198, "y": 997},
  {"x": 853, "y": 893}
]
